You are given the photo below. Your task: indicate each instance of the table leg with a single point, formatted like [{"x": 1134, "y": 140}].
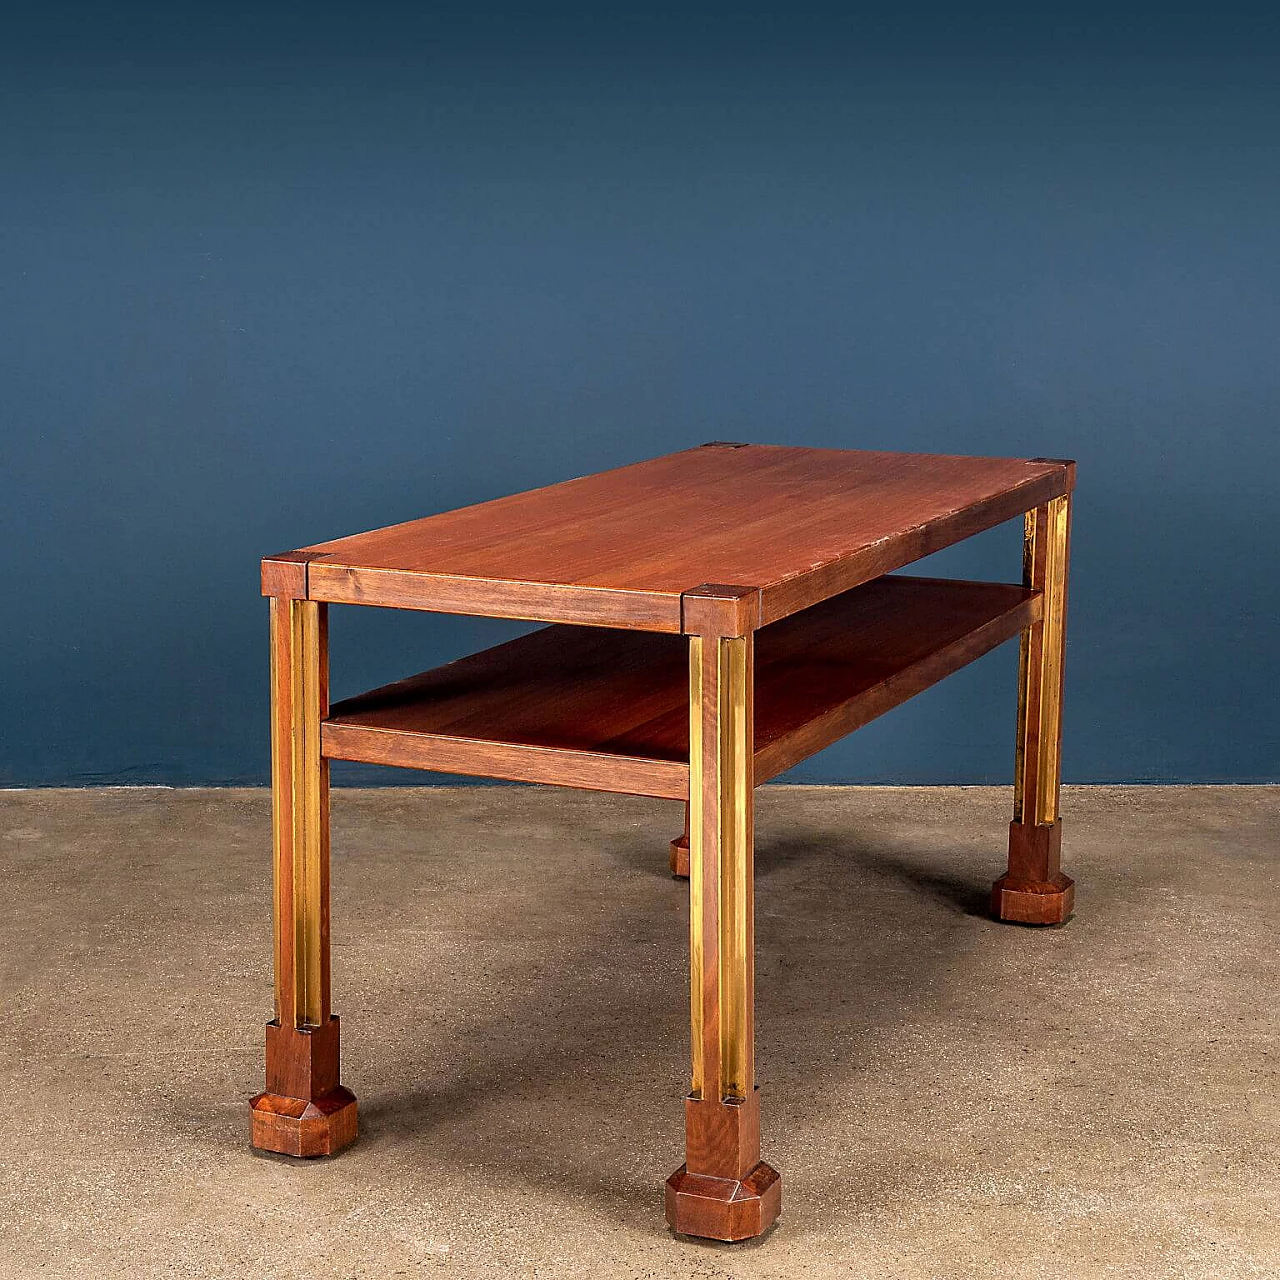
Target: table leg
[
  {"x": 723, "y": 1190},
  {"x": 1034, "y": 890},
  {"x": 304, "y": 1111},
  {"x": 680, "y": 851}
]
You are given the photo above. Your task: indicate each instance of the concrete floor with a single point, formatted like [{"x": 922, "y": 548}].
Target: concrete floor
[{"x": 945, "y": 1097}]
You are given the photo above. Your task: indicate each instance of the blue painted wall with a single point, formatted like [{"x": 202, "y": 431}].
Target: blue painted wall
[{"x": 266, "y": 280}]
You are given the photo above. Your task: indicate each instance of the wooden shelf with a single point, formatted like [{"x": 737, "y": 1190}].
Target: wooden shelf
[{"x": 607, "y": 709}]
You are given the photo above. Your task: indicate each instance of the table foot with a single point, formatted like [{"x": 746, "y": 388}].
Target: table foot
[
  {"x": 723, "y": 1191},
  {"x": 296, "y": 1127},
  {"x": 680, "y": 857},
  {"x": 1034, "y": 890},
  {"x": 303, "y": 1111},
  {"x": 723, "y": 1208}
]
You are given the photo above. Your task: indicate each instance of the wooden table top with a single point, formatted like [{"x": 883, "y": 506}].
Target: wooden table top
[{"x": 619, "y": 548}]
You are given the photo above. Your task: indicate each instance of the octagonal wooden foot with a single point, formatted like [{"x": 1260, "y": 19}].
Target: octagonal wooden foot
[
  {"x": 723, "y": 1208},
  {"x": 680, "y": 857},
  {"x": 303, "y": 1111},
  {"x": 299, "y": 1127},
  {"x": 1049, "y": 902},
  {"x": 1034, "y": 890}
]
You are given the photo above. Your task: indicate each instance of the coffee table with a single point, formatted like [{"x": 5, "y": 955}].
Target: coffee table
[{"x": 717, "y": 615}]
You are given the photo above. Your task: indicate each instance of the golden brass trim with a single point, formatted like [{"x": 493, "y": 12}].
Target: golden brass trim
[
  {"x": 735, "y": 869},
  {"x": 696, "y": 857},
  {"x": 1055, "y": 591},
  {"x": 307, "y": 888},
  {"x": 720, "y": 869},
  {"x": 1040, "y": 666},
  {"x": 298, "y": 780},
  {"x": 1020, "y": 760},
  {"x": 281, "y": 620}
]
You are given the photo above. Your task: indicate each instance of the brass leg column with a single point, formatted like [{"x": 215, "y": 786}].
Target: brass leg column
[
  {"x": 1034, "y": 890},
  {"x": 723, "y": 1190},
  {"x": 304, "y": 1111}
]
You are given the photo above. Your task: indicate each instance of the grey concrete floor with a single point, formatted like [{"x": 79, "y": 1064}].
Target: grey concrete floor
[{"x": 945, "y": 1097}]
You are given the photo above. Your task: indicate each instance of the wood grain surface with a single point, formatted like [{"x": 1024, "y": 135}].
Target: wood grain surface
[
  {"x": 609, "y": 710},
  {"x": 620, "y": 548}
]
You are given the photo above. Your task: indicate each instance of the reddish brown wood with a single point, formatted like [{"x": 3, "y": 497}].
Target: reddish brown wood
[
  {"x": 723, "y": 1191},
  {"x": 302, "y": 1062},
  {"x": 285, "y": 575},
  {"x": 585, "y": 770},
  {"x": 293, "y": 1127},
  {"x": 303, "y": 1111},
  {"x": 1034, "y": 889},
  {"x": 608, "y": 710},
  {"x": 718, "y": 609},
  {"x": 722, "y": 1136},
  {"x": 679, "y": 857},
  {"x": 723, "y": 1208},
  {"x": 812, "y": 644},
  {"x": 541, "y": 602},
  {"x": 622, "y": 547},
  {"x": 548, "y": 707},
  {"x": 837, "y": 667}
]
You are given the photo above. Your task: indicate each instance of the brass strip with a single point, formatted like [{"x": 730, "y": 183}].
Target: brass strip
[
  {"x": 1037, "y": 772},
  {"x": 297, "y": 809},
  {"x": 1055, "y": 602},
  {"x": 696, "y": 856},
  {"x": 298, "y": 778},
  {"x": 308, "y": 872},
  {"x": 735, "y": 868},
  {"x": 281, "y": 744},
  {"x": 1028, "y": 647}
]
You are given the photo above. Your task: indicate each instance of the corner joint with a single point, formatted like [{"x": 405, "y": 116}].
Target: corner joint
[
  {"x": 286, "y": 575},
  {"x": 1069, "y": 464},
  {"x": 717, "y": 609}
]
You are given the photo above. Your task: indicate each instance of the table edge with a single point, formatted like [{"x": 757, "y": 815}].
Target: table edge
[{"x": 307, "y": 575}]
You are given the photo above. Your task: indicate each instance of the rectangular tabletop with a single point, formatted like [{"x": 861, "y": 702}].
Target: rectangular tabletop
[{"x": 620, "y": 548}]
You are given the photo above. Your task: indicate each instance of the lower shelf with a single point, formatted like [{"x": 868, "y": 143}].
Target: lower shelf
[{"x": 607, "y": 710}]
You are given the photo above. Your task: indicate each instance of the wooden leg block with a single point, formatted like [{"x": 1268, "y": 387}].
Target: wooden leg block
[
  {"x": 304, "y": 1111},
  {"x": 297, "y": 1127},
  {"x": 1034, "y": 890},
  {"x": 723, "y": 1191},
  {"x": 1048, "y": 903},
  {"x": 723, "y": 1208},
  {"x": 680, "y": 857}
]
